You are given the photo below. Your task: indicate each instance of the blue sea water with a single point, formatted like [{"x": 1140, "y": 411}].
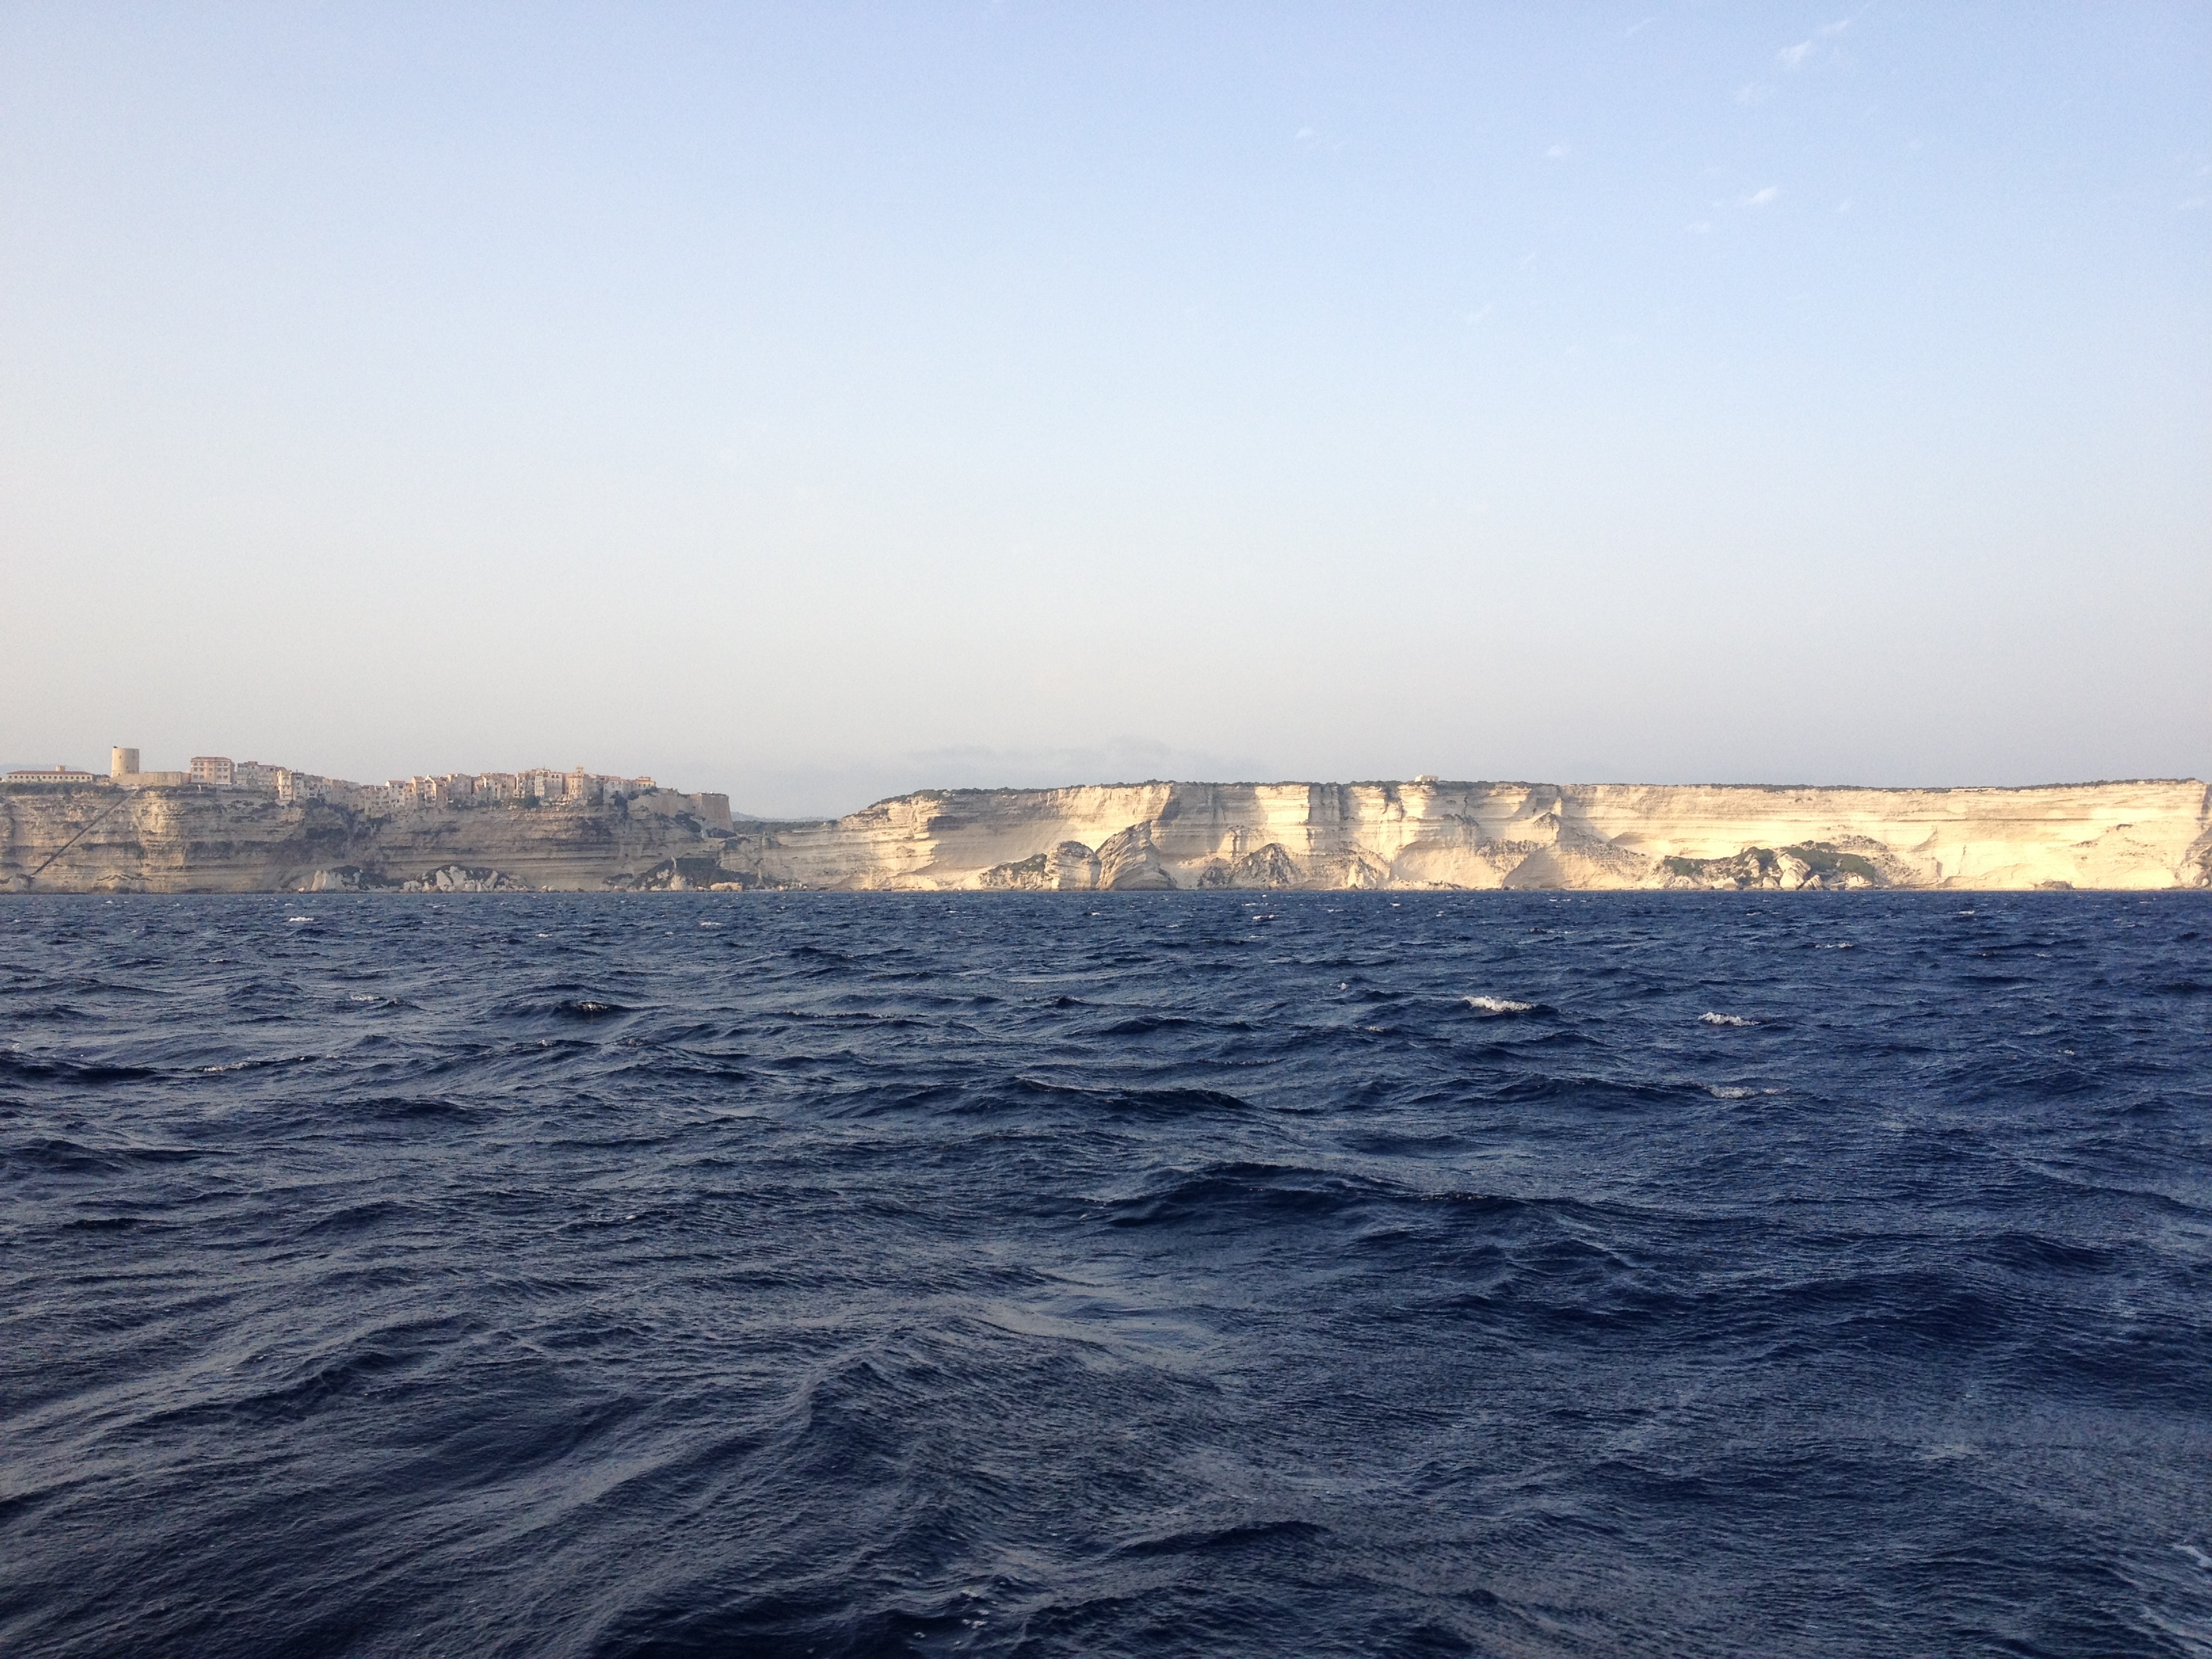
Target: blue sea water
[{"x": 692, "y": 1274}]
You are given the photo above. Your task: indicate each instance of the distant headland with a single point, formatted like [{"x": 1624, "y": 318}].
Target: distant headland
[{"x": 240, "y": 826}]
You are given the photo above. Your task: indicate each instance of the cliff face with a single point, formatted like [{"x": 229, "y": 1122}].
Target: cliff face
[
  {"x": 223, "y": 840},
  {"x": 1123, "y": 837},
  {"x": 2150, "y": 835}
]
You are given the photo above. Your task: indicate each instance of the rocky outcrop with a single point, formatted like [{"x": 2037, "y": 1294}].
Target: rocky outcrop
[
  {"x": 198, "y": 840},
  {"x": 1134, "y": 837},
  {"x": 457, "y": 879},
  {"x": 1487, "y": 835}
]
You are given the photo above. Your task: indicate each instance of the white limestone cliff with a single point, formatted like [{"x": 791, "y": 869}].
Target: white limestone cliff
[
  {"x": 1125, "y": 837},
  {"x": 1480, "y": 835}
]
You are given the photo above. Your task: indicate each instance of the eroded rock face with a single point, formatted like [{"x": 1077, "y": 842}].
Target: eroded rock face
[
  {"x": 1861, "y": 863},
  {"x": 1128, "y": 862},
  {"x": 1487, "y": 835},
  {"x": 1135, "y": 837},
  {"x": 1269, "y": 868},
  {"x": 1068, "y": 867}
]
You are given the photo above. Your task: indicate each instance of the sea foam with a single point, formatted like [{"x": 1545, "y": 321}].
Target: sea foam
[{"x": 1495, "y": 1006}]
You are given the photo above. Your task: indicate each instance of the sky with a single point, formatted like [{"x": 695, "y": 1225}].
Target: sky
[{"x": 820, "y": 402}]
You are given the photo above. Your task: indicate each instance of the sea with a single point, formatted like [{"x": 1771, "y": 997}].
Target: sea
[{"x": 1173, "y": 1273}]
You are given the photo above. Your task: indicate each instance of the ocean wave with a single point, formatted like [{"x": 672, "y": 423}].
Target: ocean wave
[
  {"x": 19, "y": 1064},
  {"x": 1228, "y": 1193},
  {"x": 1216, "y": 1541}
]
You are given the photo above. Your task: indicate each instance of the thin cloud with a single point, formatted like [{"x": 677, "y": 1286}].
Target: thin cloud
[
  {"x": 1759, "y": 199},
  {"x": 1558, "y": 153},
  {"x": 1794, "y": 58}
]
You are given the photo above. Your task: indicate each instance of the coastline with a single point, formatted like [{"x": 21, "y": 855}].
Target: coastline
[{"x": 1422, "y": 835}]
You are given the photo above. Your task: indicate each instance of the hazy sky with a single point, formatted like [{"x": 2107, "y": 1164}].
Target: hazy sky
[{"x": 817, "y": 402}]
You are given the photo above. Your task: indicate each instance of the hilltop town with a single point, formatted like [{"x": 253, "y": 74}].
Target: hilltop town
[{"x": 287, "y": 784}]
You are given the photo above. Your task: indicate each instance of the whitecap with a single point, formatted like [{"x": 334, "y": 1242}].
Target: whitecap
[
  {"x": 1725, "y": 1019},
  {"x": 1723, "y": 1091},
  {"x": 299, "y": 918},
  {"x": 1495, "y": 1006}
]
